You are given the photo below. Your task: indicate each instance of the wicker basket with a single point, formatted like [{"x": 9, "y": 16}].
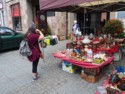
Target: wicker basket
[
  {"x": 90, "y": 71},
  {"x": 62, "y": 37},
  {"x": 91, "y": 78},
  {"x": 92, "y": 75}
]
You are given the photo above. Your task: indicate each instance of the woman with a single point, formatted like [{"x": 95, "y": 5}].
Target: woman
[
  {"x": 75, "y": 27},
  {"x": 33, "y": 35}
]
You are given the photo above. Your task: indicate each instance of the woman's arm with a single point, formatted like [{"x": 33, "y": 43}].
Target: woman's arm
[{"x": 41, "y": 37}]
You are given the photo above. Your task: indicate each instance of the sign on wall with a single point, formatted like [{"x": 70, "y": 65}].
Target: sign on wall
[{"x": 15, "y": 10}]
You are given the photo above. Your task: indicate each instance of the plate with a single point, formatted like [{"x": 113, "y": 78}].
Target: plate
[
  {"x": 88, "y": 60},
  {"x": 86, "y": 42},
  {"x": 63, "y": 55},
  {"x": 95, "y": 42}
]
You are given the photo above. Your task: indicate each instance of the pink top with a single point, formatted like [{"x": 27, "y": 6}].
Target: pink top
[{"x": 34, "y": 46}]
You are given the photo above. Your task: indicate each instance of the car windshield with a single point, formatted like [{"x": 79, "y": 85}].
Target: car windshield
[{"x": 6, "y": 31}]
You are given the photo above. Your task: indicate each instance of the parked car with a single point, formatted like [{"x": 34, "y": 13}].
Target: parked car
[{"x": 9, "y": 38}]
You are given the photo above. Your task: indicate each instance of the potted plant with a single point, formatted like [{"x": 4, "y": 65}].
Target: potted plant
[{"x": 113, "y": 27}]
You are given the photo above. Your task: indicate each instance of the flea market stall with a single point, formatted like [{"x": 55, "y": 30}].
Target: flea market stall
[
  {"x": 90, "y": 52},
  {"x": 94, "y": 56}
]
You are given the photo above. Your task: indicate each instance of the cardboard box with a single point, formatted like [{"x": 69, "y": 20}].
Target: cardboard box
[
  {"x": 90, "y": 71},
  {"x": 66, "y": 66},
  {"x": 62, "y": 37},
  {"x": 91, "y": 78},
  {"x": 92, "y": 75}
]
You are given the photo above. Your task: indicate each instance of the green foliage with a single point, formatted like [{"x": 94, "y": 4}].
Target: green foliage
[
  {"x": 121, "y": 35},
  {"x": 113, "y": 26}
]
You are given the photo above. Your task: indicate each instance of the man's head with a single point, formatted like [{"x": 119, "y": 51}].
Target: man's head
[{"x": 75, "y": 21}]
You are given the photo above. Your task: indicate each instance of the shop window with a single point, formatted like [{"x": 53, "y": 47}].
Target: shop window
[
  {"x": 16, "y": 17},
  {"x": 121, "y": 15}
]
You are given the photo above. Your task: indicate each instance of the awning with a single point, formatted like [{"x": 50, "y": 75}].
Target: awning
[
  {"x": 53, "y": 4},
  {"x": 81, "y": 5}
]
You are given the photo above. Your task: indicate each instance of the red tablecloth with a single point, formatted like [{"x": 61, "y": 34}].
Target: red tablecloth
[
  {"x": 82, "y": 63},
  {"x": 111, "y": 50}
]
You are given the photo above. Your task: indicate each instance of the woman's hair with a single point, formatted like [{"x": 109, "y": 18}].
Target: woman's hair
[{"x": 31, "y": 30}]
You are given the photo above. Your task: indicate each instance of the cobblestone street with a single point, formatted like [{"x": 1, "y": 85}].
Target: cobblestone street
[{"x": 15, "y": 75}]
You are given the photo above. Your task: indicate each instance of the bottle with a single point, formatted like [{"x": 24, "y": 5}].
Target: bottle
[
  {"x": 89, "y": 54},
  {"x": 82, "y": 71}
]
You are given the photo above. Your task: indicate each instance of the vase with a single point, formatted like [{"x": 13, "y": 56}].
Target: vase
[{"x": 109, "y": 36}]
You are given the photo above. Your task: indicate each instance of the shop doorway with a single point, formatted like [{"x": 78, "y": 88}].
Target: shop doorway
[
  {"x": 89, "y": 22},
  {"x": 84, "y": 22},
  {"x": 38, "y": 17}
]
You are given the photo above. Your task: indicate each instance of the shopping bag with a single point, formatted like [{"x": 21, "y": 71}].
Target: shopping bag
[{"x": 77, "y": 33}]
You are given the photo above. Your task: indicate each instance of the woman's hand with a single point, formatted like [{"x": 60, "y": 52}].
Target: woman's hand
[
  {"x": 41, "y": 34},
  {"x": 38, "y": 31},
  {"x": 41, "y": 38}
]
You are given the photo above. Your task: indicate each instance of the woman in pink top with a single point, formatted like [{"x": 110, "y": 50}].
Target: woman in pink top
[{"x": 33, "y": 35}]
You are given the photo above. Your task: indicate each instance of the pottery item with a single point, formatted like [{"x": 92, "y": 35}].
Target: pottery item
[{"x": 86, "y": 40}]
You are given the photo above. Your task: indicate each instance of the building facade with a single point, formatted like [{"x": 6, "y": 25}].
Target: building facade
[
  {"x": 19, "y": 14},
  {"x": 61, "y": 23},
  {"x": 1, "y": 18},
  {"x": 2, "y": 13}
]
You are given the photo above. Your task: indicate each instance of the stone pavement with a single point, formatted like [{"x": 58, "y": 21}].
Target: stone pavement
[{"x": 15, "y": 75}]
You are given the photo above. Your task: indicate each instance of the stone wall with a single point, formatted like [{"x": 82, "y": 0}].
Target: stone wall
[
  {"x": 71, "y": 18},
  {"x": 57, "y": 23}
]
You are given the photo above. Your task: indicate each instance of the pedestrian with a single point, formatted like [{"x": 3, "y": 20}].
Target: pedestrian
[
  {"x": 99, "y": 30},
  {"x": 33, "y": 36},
  {"x": 75, "y": 27}
]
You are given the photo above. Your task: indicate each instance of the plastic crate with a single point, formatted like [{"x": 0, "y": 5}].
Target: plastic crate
[{"x": 66, "y": 66}]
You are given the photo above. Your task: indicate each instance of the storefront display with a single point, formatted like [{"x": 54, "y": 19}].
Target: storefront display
[
  {"x": 92, "y": 54},
  {"x": 85, "y": 61}
]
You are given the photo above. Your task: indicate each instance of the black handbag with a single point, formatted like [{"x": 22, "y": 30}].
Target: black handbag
[{"x": 53, "y": 42}]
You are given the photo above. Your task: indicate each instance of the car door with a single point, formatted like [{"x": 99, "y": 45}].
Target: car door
[
  {"x": 17, "y": 38},
  {"x": 0, "y": 42},
  {"x": 9, "y": 38}
]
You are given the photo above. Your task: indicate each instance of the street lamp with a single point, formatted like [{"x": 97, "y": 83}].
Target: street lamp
[{"x": 1, "y": 8}]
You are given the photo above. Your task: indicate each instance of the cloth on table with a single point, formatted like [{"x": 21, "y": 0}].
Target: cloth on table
[{"x": 83, "y": 63}]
